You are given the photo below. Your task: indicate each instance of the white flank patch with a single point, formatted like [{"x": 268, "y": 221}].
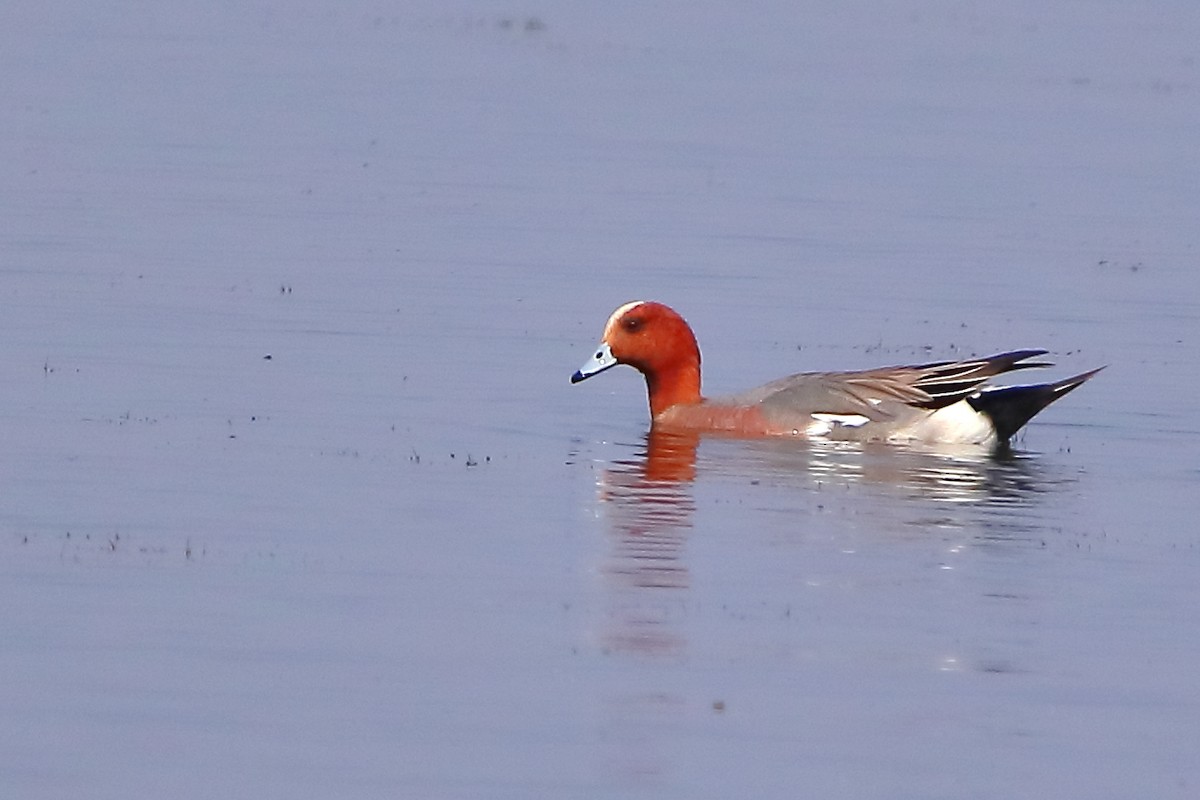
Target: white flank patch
[
  {"x": 822, "y": 424},
  {"x": 849, "y": 420},
  {"x": 957, "y": 423}
]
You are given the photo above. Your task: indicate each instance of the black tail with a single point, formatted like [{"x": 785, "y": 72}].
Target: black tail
[{"x": 1011, "y": 407}]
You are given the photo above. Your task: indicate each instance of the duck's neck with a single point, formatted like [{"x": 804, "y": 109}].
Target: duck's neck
[{"x": 676, "y": 386}]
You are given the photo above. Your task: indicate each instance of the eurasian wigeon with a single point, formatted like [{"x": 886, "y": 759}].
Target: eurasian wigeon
[{"x": 945, "y": 402}]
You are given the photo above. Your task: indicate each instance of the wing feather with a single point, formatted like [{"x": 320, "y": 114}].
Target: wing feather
[{"x": 886, "y": 393}]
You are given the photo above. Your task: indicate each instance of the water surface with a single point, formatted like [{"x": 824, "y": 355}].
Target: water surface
[{"x": 297, "y": 499}]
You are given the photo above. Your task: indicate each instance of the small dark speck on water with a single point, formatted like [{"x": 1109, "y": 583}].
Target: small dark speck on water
[
  {"x": 267, "y": 357},
  {"x": 718, "y": 706},
  {"x": 531, "y": 24}
]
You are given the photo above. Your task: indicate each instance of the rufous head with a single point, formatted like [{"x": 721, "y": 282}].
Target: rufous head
[{"x": 653, "y": 339}]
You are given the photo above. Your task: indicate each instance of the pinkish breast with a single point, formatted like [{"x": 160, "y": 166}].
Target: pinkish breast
[{"x": 711, "y": 417}]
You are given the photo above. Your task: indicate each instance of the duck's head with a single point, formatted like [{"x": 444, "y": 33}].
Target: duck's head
[{"x": 653, "y": 339}]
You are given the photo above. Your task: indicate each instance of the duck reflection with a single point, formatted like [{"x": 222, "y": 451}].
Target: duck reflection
[
  {"x": 651, "y": 485},
  {"x": 650, "y": 507},
  {"x": 965, "y": 475},
  {"x": 648, "y": 502},
  {"x": 647, "y": 499}
]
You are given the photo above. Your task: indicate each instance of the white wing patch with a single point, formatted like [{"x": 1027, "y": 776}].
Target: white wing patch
[
  {"x": 822, "y": 424},
  {"x": 849, "y": 420}
]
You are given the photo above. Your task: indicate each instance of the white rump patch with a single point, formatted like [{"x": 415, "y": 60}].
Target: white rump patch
[{"x": 957, "y": 423}]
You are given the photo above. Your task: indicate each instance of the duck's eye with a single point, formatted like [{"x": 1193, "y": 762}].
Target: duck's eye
[{"x": 632, "y": 325}]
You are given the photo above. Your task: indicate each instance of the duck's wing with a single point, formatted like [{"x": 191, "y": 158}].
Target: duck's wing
[
  {"x": 887, "y": 394},
  {"x": 948, "y": 382}
]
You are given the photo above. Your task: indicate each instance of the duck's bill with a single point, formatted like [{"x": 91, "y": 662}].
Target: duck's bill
[{"x": 601, "y": 360}]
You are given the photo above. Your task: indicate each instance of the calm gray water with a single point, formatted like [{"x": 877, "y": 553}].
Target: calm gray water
[{"x": 297, "y": 500}]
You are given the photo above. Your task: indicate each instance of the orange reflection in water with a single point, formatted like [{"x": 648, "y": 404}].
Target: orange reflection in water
[
  {"x": 647, "y": 499},
  {"x": 648, "y": 503}
]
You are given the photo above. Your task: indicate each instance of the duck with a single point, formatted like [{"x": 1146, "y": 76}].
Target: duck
[{"x": 942, "y": 402}]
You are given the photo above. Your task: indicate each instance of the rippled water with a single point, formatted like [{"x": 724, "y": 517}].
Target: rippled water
[{"x": 297, "y": 499}]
